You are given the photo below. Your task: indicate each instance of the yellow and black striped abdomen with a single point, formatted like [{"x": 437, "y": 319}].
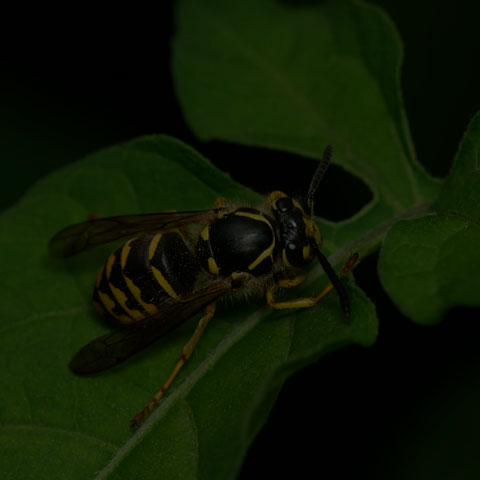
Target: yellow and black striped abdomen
[{"x": 142, "y": 274}]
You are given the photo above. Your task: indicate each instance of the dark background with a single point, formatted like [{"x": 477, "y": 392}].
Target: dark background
[{"x": 405, "y": 408}]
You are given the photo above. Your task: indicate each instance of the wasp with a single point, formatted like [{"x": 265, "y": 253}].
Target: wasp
[{"x": 165, "y": 273}]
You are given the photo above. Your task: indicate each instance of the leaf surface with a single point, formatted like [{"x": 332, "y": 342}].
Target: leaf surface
[
  {"x": 57, "y": 425},
  {"x": 430, "y": 264}
]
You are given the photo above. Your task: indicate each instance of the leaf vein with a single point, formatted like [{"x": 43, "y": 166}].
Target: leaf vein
[
  {"x": 41, "y": 316},
  {"x": 189, "y": 412},
  {"x": 279, "y": 77}
]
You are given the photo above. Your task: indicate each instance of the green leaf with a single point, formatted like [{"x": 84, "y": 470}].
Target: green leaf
[
  {"x": 430, "y": 264},
  {"x": 57, "y": 425},
  {"x": 297, "y": 78}
]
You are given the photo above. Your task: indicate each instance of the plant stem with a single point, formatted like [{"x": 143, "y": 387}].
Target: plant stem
[{"x": 371, "y": 241}]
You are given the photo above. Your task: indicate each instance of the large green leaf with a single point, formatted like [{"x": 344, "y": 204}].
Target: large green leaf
[
  {"x": 430, "y": 264},
  {"x": 57, "y": 425},
  {"x": 297, "y": 77}
]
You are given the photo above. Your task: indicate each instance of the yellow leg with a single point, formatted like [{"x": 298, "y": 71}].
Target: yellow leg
[
  {"x": 308, "y": 301},
  {"x": 186, "y": 353},
  {"x": 294, "y": 303}
]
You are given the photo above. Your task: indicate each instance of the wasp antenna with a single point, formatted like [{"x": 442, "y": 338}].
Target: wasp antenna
[
  {"x": 333, "y": 277},
  {"x": 318, "y": 175}
]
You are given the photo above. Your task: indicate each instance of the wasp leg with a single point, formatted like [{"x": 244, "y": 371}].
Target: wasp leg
[
  {"x": 308, "y": 301},
  {"x": 186, "y": 353}
]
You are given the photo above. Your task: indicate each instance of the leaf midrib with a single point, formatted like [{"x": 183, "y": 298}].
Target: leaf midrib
[{"x": 179, "y": 393}]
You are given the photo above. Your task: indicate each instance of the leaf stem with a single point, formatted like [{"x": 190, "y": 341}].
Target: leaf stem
[{"x": 371, "y": 240}]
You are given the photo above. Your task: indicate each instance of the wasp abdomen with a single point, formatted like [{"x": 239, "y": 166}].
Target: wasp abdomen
[
  {"x": 173, "y": 259},
  {"x": 241, "y": 241},
  {"x": 142, "y": 274}
]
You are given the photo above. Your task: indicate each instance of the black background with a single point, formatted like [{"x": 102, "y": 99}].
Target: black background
[{"x": 77, "y": 81}]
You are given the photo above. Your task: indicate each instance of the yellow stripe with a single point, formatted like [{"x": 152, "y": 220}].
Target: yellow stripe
[
  {"x": 273, "y": 197},
  {"x": 108, "y": 305},
  {"x": 212, "y": 266},
  {"x": 110, "y": 262},
  {"x": 284, "y": 258},
  {"x": 153, "y": 245},
  {"x": 124, "y": 319},
  {"x": 107, "y": 302},
  {"x": 306, "y": 252},
  {"x": 299, "y": 206},
  {"x": 266, "y": 253},
  {"x": 309, "y": 227},
  {"x": 122, "y": 300},
  {"x": 124, "y": 253},
  {"x": 136, "y": 292},
  {"x": 120, "y": 296},
  {"x": 163, "y": 282},
  {"x": 205, "y": 233}
]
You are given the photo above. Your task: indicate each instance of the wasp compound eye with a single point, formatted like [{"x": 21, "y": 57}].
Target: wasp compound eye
[{"x": 284, "y": 204}]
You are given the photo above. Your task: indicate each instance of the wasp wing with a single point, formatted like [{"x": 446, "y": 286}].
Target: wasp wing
[
  {"x": 79, "y": 237},
  {"x": 109, "y": 350}
]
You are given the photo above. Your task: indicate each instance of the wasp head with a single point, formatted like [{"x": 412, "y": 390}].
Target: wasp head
[
  {"x": 297, "y": 230},
  {"x": 299, "y": 237}
]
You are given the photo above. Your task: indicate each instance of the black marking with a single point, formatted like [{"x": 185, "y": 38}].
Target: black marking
[
  {"x": 117, "y": 280},
  {"x": 292, "y": 231},
  {"x": 203, "y": 251},
  {"x": 176, "y": 263},
  {"x": 236, "y": 241},
  {"x": 104, "y": 288},
  {"x": 137, "y": 269}
]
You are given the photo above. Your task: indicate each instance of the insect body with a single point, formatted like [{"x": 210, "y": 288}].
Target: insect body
[{"x": 165, "y": 273}]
